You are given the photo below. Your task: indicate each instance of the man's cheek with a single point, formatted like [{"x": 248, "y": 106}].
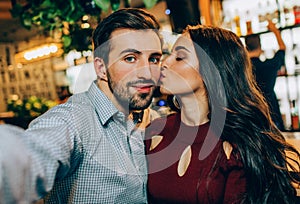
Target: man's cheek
[{"x": 156, "y": 73}]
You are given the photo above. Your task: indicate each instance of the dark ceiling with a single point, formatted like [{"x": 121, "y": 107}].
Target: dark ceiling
[{"x": 10, "y": 28}]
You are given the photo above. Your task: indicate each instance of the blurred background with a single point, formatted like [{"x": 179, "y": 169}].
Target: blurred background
[{"x": 46, "y": 52}]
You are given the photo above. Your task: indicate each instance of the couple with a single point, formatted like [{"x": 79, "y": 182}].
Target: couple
[{"x": 221, "y": 148}]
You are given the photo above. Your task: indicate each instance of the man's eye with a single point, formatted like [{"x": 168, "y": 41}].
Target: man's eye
[
  {"x": 154, "y": 60},
  {"x": 130, "y": 59}
]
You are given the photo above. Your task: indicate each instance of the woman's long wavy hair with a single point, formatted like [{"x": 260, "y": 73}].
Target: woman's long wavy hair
[{"x": 248, "y": 124}]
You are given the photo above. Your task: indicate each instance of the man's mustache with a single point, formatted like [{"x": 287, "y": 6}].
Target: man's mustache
[{"x": 138, "y": 82}]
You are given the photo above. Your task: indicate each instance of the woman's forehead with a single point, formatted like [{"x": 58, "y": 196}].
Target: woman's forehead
[{"x": 184, "y": 40}]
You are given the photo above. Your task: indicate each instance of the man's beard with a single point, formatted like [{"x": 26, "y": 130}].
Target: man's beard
[{"x": 137, "y": 101}]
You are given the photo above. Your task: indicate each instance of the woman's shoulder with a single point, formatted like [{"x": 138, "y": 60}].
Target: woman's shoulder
[
  {"x": 230, "y": 156},
  {"x": 163, "y": 121},
  {"x": 160, "y": 125}
]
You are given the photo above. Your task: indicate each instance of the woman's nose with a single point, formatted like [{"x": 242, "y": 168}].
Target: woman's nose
[
  {"x": 165, "y": 64},
  {"x": 163, "y": 67}
]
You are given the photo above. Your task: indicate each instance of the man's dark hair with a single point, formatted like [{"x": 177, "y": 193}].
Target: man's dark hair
[
  {"x": 252, "y": 42},
  {"x": 130, "y": 18}
]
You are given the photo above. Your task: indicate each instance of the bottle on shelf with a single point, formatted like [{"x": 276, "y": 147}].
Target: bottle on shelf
[
  {"x": 248, "y": 23},
  {"x": 237, "y": 21},
  {"x": 275, "y": 14},
  {"x": 294, "y": 115},
  {"x": 297, "y": 13},
  {"x": 296, "y": 60},
  {"x": 296, "y": 54},
  {"x": 226, "y": 20},
  {"x": 289, "y": 17},
  {"x": 262, "y": 18},
  {"x": 272, "y": 13},
  {"x": 282, "y": 71}
]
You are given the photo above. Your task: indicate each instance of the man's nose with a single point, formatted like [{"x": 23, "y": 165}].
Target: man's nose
[{"x": 144, "y": 70}]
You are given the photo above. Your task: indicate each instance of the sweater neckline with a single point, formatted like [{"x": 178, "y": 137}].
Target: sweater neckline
[{"x": 191, "y": 134}]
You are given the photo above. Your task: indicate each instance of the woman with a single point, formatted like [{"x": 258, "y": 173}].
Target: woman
[{"x": 223, "y": 146}]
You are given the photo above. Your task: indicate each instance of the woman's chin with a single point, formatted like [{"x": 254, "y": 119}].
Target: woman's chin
[{"x": 165, "y": 90}]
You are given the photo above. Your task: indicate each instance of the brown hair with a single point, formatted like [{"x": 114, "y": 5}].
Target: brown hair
[{"x": 252, "y": 42}]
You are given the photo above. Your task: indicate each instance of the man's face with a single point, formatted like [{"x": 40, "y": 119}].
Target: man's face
[{"x": 133, "y": 67}]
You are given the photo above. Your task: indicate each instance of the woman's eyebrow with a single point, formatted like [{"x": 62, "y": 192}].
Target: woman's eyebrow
[{"x": 181, "y": 48}]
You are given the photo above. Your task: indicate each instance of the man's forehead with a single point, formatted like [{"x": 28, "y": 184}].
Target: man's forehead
[
  {"x": 127, "y": 33},
  {"x": 141, "y": 40}
]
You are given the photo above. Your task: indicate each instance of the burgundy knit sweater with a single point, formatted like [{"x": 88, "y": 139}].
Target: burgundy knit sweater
[{"x": 216, "y": 179}]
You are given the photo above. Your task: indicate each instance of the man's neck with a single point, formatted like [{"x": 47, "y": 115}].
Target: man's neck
[
  {"x": 255, "y": 53},
  {"x": 103, "y": 86}
]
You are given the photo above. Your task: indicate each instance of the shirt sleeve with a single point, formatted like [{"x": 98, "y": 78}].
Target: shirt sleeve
[
  {"x": 278, "y": 60},
  {"x": 53, "y": 143},
  {"x": 49, "y": 144},
  {"x": 14, "y": 166}
]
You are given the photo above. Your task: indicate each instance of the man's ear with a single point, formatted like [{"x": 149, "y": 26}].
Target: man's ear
[{"x": 100, "y": 68}]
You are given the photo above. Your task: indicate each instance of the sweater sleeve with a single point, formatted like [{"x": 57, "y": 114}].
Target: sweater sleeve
[{"x": 235, "y": 187}]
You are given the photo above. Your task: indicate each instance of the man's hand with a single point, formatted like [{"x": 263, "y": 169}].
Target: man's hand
[{"x": 272, "y": 27}]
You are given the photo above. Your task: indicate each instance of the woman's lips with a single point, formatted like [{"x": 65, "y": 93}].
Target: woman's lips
[{"x": 161, "y": 77}]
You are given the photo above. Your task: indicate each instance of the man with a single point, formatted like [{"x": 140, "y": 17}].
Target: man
[
  {"x": 266, "y": 71},
  {"x": 89, "y": 149}
]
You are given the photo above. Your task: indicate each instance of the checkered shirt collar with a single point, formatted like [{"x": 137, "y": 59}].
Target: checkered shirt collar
[{"x": 104, "y": 107}]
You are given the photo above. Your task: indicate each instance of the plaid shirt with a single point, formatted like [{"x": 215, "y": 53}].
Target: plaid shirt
[{"x": 86, "y": 151}]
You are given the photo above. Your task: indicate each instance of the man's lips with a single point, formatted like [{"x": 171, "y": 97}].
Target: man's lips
[{"x": 143, "y": 88}]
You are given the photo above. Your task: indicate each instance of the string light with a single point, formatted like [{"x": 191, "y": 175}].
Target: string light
[{"x": 41, "y": 52}]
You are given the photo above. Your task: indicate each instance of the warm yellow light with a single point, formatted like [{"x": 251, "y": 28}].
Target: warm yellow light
[
  {"x": 14, "y": 97},
  {"x": 85, "y": 17},
  {"x": 41, "y": 52},
  {"x": 87, "y": 53},
  {"x": 10, "y": 67},
  {"x": 85, "y": 25},
  {"x": 19, "y": 65},
  {"x": 53, "y": 48}
]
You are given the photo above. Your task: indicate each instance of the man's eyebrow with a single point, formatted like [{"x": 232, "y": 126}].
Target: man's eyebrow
[
  {"x": 130, "y": 50},
  {"x": 181, "y": 47},
  {"x": 156, "y": 54}
]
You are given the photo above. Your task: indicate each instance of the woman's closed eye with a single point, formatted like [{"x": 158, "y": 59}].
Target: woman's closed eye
[{"x": 180, "y": 56}]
